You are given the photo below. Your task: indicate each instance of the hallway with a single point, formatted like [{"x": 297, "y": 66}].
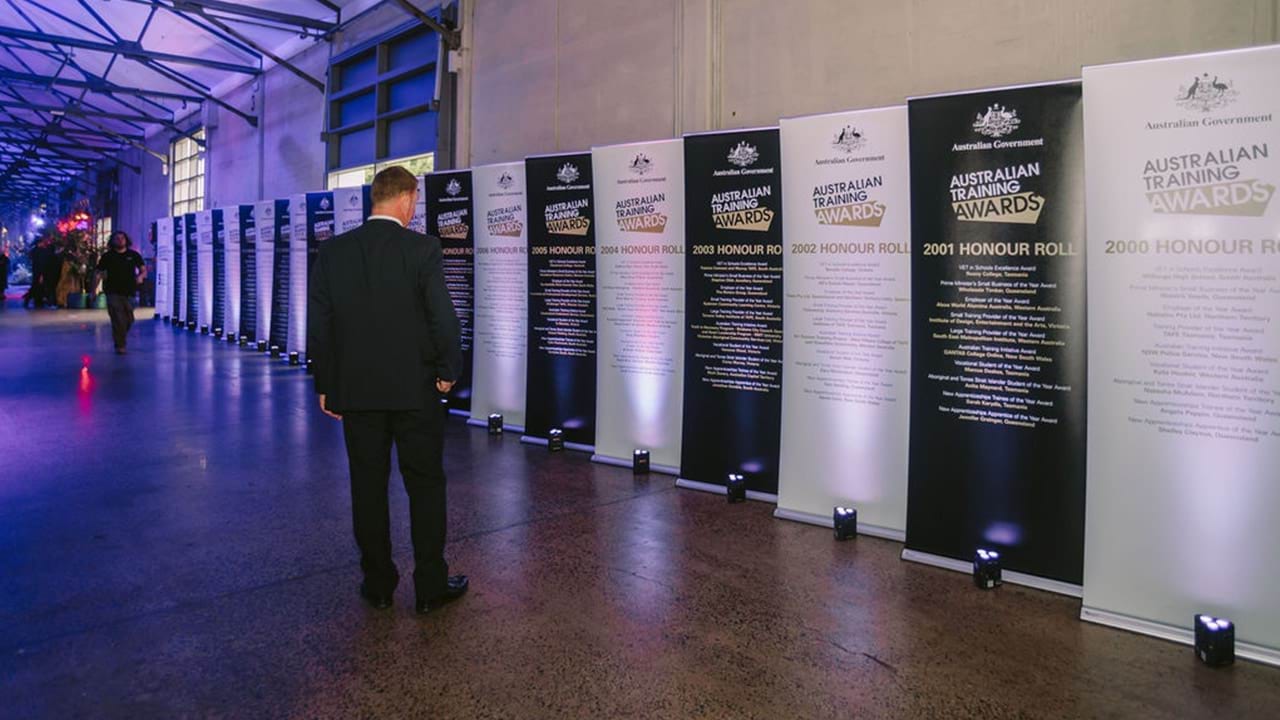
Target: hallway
[{"x": 175, "y": 542}]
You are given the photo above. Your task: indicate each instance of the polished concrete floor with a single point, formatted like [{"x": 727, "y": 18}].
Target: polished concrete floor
[{"x": 175, "y": 542}]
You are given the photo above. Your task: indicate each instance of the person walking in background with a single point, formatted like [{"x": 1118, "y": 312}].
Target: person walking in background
[
  {"x": 124, "y": 271},
  {"x": 41, "y": 257},
  {"x": 385, "y": 346}
]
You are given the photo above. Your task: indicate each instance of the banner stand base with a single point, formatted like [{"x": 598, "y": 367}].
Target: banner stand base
[
  {"x": 826, "y": 521},
  {"x": 485, "y": 424},
  {"x": 460, "y": 413},
  {"x": 532, "y": 440},
  {"x": 619, "y": 462},
  {"x": 722, "y": 490},
  {"x": 1010, "y": 576},
  {"x": 1183, "y": 636}
]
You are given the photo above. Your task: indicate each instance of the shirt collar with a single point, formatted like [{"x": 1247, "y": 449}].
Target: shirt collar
[{"x": 386, "y": 217}]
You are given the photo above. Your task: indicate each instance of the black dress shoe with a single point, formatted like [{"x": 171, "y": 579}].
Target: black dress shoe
[
  {"x": 454, "y": 588},
  {"x": 377, "y": 600}
]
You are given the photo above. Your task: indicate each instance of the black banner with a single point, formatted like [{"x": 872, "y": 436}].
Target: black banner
[
  {"x": 279, "y": 334},
  {"x": 560, "y": 387},
  {"x": 997, "y": 457},
  {"x": 177, "y": 270},
  {"x": 733, "y": 308},
  {"x": 449, "y": 217},
  {"x": 193, "y": 266},
  {"x": 319, "y": 223},
  {"x": 219, "y": 270},
  {"x": 248, "y": 273}
]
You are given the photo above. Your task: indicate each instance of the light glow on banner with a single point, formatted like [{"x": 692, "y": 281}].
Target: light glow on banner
[
  {"x": 204, "y": 268},
  {"x": 163, "y": 229},
  {"x": 846, "y": 318},
  {"x": 501, "y": 293},
  {"x": 264, "y": 220},
  {"x": 640, "y": 284},
  {"x": 1183, "y": 158},
  {"x": 350, "y": 207},
  {"x": 231, "y": 265}
]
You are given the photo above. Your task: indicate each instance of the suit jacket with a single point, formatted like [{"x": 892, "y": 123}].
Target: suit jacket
[{"x": 380, "y": 323}]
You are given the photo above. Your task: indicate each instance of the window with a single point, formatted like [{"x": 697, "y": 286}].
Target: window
[
  {"x": 186, "y": 174},
  {"x": 381, "y": 110},
  {"x": 417, "y": 164},
  {"x": 101, "y": 233}
]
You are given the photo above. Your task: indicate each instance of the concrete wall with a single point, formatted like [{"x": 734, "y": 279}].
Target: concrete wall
[{"x": 554, "y": 75}]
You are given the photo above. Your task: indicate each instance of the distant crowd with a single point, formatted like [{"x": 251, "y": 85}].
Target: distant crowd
[{"x": 57, "y": 270}]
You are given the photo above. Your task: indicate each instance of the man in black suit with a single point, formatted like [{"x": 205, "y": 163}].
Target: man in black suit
[{"x": 385, "y": 344}]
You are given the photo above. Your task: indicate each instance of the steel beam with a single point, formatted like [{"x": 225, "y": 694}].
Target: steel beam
[
  {"x": 130, "y": 49},
  {"x": 278, "y": 60},
  {"x": 232, "y": 8},
  {"x": 78, "y": 112},
  {"x": 96, "y": 85}
]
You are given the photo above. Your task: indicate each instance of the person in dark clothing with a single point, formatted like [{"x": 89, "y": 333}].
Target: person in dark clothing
[
  {"x": 4, "y": 274},
  {"x": 385, "y": 346},
  {"x": 124, "y": 271},
  {"x": 41, "y": 257}
]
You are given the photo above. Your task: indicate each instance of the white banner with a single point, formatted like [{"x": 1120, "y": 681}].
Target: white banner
[
  {"x": 231, "y": 250},
  {"x": 846, "y": 318},
  {"x": 350, "y": 208},
  {"x": 1182, "y": 161},
  {"x": 501, "y": 291},
  {"x": 298, "y": 234},
  {"x": 164, "y": 266},
  {"x": 264, "y": 220},
  {"x": 419, "y": 221},
  {"x": 640, "y": 244},
  {"x": 204, "y": 269}
]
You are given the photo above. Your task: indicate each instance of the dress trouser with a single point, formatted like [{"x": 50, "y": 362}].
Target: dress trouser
[
  {"x": 419, "y": 439},
  {"x": 120, "y": 310}
]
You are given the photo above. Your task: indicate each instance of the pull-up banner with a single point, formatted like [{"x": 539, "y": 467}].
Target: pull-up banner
[
  {"x": 449, "y": 218},
  {"x": 1184, "y": 336},
  {"x": 418, "y": 223},
  {"x": 191, "y": 253},
  {"x": 230, "y": 239},
  {"x": 639, "y": 191},
  {"x": 281, "y": 292},
  {"x": 847, "y": 315},
  {"x": 218, "y": 311},
  {"x": 316, "y": 228},
  {"x": 264, "y": 214},
  {"x": 733, "y": 311},
  {"x": 998, "y": 332},
  {"x": 162, "y": 231},
  {"x": 350, "y": 208},
  {"x": 502, "y": 296},
  {"x": 560, "y": 387},
  {"x": 248, "y": 274},
  {"x": 205, "y": 266},
  {"x": 179, "y": 274}
]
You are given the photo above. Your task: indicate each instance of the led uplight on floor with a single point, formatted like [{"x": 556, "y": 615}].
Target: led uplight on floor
[
  {"x": 294, "y": 358},
  {"x": 1215, "y": 640},
  {"x": 555, "y": 440},
  {"x": 736, "y": 488},
  {"x": 640, "y": 462},
  {"x": 495, "y": 424},
  {"x": 845, "y": 522},
  {"x": 986, "y": 569}
]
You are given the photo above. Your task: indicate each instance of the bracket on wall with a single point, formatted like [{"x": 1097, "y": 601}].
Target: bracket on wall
[{"x": 452, "y": 36}]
